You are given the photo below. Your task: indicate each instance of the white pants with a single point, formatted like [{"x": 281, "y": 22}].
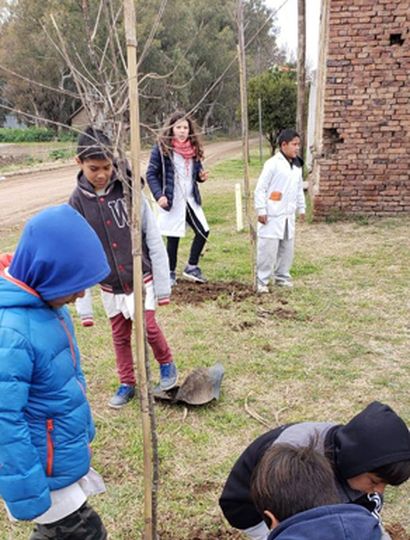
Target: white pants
[{"x": 274, "y": 256}]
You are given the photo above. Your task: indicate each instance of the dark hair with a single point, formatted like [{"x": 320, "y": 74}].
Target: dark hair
[
  {"x": 165, "y": 139},
  {"x": 290, "y": 479},
  {"x": 287, "y": 135},
  {"x": 394, "y": 473},
  {"x": 94, "y": 144}
]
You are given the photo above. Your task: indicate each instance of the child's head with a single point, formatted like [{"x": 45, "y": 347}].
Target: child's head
[
  {"x": 95, "y": 157},
  {"x": 289, "y": 143},
  {"x": 289, "y": 480},
  {"x": 59, "y": 255},
  {"x": 181, "y": 127},
  {"x": 373, "y": 449}
]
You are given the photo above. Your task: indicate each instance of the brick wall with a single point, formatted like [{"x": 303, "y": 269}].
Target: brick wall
[{"x": 365, "y": 157}]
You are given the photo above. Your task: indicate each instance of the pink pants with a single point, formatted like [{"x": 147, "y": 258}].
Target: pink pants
[{"x": 121, "y": 329}]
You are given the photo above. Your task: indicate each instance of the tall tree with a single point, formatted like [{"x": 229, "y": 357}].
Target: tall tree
[
  {"x": 277, "y": 90},
  {"x": 187, "y": 60}
]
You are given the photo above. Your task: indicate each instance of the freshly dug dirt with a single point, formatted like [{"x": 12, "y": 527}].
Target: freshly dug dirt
[{"x": 187, "y": 292}]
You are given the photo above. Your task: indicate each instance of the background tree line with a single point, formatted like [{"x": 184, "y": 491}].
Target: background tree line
[{"x": 187, "y": 54}]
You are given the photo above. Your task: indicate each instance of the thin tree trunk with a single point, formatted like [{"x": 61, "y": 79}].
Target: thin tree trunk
[
  {"x": 245, "y": 134},
  {"x": 301, "y": 74}
]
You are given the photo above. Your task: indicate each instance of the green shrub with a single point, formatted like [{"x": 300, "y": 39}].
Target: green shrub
[
  {"x": 32, "y": 134},
  {"x": 62, "y": 153},
  {"x": 67, "y": 136}
]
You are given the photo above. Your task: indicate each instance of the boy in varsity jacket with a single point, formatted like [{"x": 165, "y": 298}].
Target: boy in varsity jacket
[
  {"x": 369, "y": 452},
  {"x": 99, "y": 197}
]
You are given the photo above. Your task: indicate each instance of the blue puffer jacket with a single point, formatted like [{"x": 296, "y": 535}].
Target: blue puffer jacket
[
  {"x": 334, "y": 522},
  {"x": 45, "y": 420},
  {"x": 160, "y": 176}
]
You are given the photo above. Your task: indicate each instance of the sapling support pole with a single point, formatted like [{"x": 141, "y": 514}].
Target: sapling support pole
[
  {"x": 245, "y": 134},
  {"x": 147, "y": 411}
]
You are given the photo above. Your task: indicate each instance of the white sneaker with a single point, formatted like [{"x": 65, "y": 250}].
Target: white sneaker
[
  {"x": 284, "y": 283},
  {"x": 262, "y": 289}
]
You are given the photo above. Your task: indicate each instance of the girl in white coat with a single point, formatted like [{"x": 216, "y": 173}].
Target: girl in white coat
[{"x": 278, "y": 197}]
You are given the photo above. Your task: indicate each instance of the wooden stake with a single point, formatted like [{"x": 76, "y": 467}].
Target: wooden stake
[
  {"x": 245, "y": 134},
  {"x": 238, "y": 205},
  {"x": 130, "y": 32}
]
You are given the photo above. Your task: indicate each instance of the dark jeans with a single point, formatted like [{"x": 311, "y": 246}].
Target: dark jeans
[
  {"x": 83, "y": 524},
  {"x": 198, "y": 243}
]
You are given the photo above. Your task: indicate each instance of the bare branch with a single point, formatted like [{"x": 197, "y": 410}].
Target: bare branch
[{"x": 39, "y": 84}]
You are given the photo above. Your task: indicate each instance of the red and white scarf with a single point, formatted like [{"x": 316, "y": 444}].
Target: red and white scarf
[{"x": 184, "y": 148}]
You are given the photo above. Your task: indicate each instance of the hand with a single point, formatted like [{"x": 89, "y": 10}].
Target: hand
[
  {"x": 301, "y": 218},
  {"x": 163, "y": 202},
  {"x": 203, "y": 175},
  {"x": 263, "y": 219}
]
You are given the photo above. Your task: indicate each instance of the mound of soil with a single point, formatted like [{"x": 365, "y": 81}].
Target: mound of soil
[{"x": 186, "y": 292}]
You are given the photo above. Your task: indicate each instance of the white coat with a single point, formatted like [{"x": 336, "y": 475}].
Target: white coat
[
  {"x": 279, "y": 195},
  {"x": 173, "y": 222}
]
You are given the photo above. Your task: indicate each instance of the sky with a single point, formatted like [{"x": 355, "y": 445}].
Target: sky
[{"x": 288, "y": 26}]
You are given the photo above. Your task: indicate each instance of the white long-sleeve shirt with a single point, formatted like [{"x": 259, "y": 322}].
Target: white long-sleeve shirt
[{"x": 279, "y": 195}]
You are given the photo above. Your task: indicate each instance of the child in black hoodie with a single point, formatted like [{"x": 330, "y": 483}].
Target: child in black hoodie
[{"x": 369, "y": 452}]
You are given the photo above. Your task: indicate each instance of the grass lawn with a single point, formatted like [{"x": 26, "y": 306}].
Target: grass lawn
[{"x": 321, "y": 351}]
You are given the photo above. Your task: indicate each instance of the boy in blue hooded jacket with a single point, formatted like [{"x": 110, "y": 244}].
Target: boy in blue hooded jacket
[
  {"x": 295, "y": 490},
  {"x": 46, "y": 425}
]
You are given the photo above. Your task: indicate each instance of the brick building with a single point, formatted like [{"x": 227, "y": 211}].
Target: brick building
[{"x": 361, "y": 146}]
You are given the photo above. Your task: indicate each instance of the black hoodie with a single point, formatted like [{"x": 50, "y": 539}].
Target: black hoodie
[{"x": 376, "y": 436}]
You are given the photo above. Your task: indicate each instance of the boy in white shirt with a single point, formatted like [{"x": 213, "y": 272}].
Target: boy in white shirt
[{"x": 278, "y": 197}]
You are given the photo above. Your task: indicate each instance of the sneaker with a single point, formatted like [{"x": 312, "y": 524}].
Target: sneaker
[
  {"x": 173, "y": 279},
  {"x": 122, "y": 396},
  {"x": 87, "y": 321},
  {"x": 284, "y": 283},
  {"x": 262, "y": 289},
  {"x": 194, "y": 274},
  {"x": 168, "y": 376}
]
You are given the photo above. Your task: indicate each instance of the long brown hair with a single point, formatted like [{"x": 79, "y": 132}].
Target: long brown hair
[{"x": 165, "y": 138}]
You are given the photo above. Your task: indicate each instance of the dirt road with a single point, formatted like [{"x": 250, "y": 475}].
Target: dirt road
[{"x": 23, "y": 195}]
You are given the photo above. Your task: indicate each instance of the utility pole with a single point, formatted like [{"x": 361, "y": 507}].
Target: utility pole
[
  {"x": 245, "y": 132},
  {"x": 141, "y": 357},
  {"x": 301, "y": 74}
]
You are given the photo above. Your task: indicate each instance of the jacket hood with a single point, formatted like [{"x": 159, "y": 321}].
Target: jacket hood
[
  {"x": 333, "y": 522},
  {"x": 375, "y": 437},
  {"x": 59, "y": 254}
]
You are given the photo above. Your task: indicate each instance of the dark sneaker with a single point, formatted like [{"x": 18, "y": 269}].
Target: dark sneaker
[
  {"x": 168, "y": 376},
  {"x": 173, "y": 278},
  {"x": 122, "y": 396},
  {"x": 194, "y": 274}
]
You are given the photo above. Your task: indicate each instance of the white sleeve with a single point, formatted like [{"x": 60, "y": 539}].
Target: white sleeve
[
  {"x": 301, "y": 203},
  {"x": 262, "y": 188},
  {"x": 258, "y": 532}
]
